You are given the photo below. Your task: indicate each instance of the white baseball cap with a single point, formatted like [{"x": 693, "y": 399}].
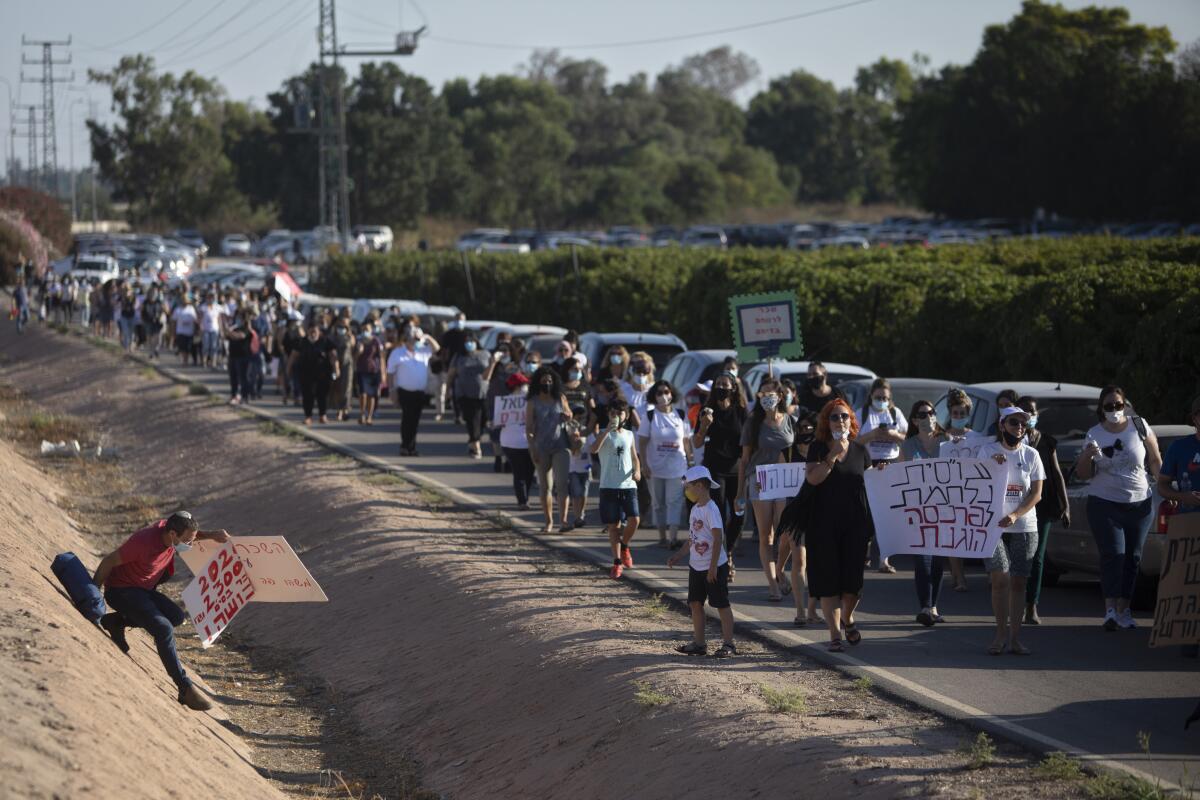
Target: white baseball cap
[
  {"x": 700, "y": 473},
  {"x": 1010, "y": 411},
  {"x": 705, "y": 387}
]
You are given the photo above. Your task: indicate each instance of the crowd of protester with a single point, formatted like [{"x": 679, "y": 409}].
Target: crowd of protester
[{"x": 615, "y": 424}]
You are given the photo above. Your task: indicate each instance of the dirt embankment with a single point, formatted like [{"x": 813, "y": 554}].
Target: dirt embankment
[{"x": 503, "y": 669}]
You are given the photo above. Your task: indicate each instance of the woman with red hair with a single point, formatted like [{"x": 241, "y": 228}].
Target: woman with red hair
[{"x": 836, "y": 521}]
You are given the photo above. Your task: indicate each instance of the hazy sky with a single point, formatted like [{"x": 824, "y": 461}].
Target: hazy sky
[{"x": 250, "y": 46}]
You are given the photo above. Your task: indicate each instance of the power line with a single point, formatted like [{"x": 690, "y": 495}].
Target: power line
[
  {"x": 657, "y": 40},
  {"x": 204, "y": 37},
  {"x": 258, "y": 47},
  {"x": 145, "y": 30},
  {"x": 228, "y": 41}
]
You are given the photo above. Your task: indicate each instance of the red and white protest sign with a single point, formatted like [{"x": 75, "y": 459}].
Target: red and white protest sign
[
  {"x": 278, "y": 574},
  {"x": 509, "y": 409},
  {"x": 218, "y": 593}
]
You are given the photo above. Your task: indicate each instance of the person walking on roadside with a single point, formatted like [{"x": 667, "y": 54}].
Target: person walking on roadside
[
  {"x": 315, "y": 363},
  {"x": 21, "y": 303},
  {"x": 343, "y": 351},
  {"x": 237, "y": 331},
  {"x": 832, "y": 514},
  {"x": 1010, "y": 564},
  {"x": 515, "y": 441},
  {"x": 1052, "y": 508},
  {"x": 546, "y": 415},
  {"x": 924, "y": 439},
  {"x": 126, "y": 322},
  {"x": 805, "y": 426},
  {"x": 816, "y": 391},
  {"x": 1179, "y": 478},
  {"x": 882, "y": 428},
  {"x": 500, "y": 369},
  {"x": 708, "y": 565},
  {"x": 185, "y": 320},
  {"x": 408, "y": 375},
  {"x": 466, "y": 380},
  {"x": 719, "y": 433},
  {"x": 665, "y": 447},
  {"x": 766, "y": 436},
  {"x": 153, "y": 312},
  {"x": 210, "y": 330},
  {"x": 368, "y": 370},
  {"x": 615, "y": 365},
  {"x": 1121, "y": 460},
  {"x": 129, "y": 577},
  {"x": 961, "y": 442},
  {"x": 620, "y": 470}
]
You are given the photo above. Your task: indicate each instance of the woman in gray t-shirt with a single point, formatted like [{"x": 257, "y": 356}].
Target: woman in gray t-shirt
[
  {"x": 466, "y": 380},
  {"x": 766, "y": 438}
]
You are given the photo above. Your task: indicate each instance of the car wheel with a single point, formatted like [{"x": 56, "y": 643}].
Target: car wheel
[{"x": 1145, "y": 593}]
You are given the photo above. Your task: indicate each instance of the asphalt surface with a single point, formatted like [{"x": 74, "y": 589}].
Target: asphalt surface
[{"x": 1083, "y": 690}]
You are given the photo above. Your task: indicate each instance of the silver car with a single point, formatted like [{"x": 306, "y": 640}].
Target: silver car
[{"x": 1074, "y": 548}]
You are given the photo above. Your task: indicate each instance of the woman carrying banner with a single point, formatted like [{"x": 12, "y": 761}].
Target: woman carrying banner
[
  {"x": 1011, "y": 562},
  {"x": 883, "y": 428},
  {"x": 832, "y": 515},
  {"x": 766, "y": 436},
  {"x": 925, "y": 436}
]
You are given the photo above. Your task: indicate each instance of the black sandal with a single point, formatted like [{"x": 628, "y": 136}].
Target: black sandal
[
  {"x": 726, "y": 650},
  {"x": 692, "y": 649},
  {"x": 835, "y": 646},
  {"x": 852, "y": 634}
]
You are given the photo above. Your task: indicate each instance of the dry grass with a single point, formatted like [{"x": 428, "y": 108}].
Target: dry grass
[
  {"x": 784, "y": 701},
  {"x": 647, "y": 697}
]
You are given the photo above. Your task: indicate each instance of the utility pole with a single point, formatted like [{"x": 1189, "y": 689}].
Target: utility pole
[
  {"x": 48, "y": 79},
  {"x": 12, "y": 135},
  {"x": 335, "y": 182},
  {"x": 30, "y": 133},
  {"x": 71, "y": 140},
  {"x": 92, "y": 158}
]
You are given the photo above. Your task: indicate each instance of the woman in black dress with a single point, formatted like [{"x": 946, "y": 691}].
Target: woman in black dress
[
  {"x": 833, "y": 515},
  {"x": 315, "y": 362}
]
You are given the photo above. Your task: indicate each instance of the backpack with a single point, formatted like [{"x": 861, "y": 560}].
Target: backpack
[
  {"x": 650, "y": 415},
  {"x": 74, "y": 577}
]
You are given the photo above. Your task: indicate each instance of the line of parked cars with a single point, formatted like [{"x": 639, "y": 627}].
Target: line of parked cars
[{"x": 812, "y": 235}]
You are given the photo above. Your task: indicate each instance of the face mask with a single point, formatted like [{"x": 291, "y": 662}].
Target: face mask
[
  {"x": 958, "y": 424},
  {"x": 470, "y": 347},
  {"x": 1032, "y": 423},
  {"x": 928, "y": 424},
  {"x": 720, "y": 393},
  {"x": 805, "y": 438},
  {"x": 530, "y": 367},
  {"x": 787, "y": 399},
  {"x": 1115, "y": 417},
  {"x": 504, "y": 359},
  {"x": 732, "y": 372},
  {"x": 664, "y": 399},
  {"x": 182, "y": 547},
  {"x": 1010, "y": 439},
  {"x": 615, "y": 360},
  {"x": 456, "y": 324},
  {"x": 641, "y": 380},
  {"x": 547, "y": 388},
  {"x": 838, "y": 435},
  {"x": 574, "y": 375},
  {"x": 769, "y": 401},
  {"x": 879, "y": 405},
  {"x": 816, "y": 381},
  {"x": 690, "y": 493}
]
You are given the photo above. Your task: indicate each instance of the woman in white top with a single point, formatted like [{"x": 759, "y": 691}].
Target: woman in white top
[
  {"x": 665, "y": 447},
  {"x": 1116, "y": 458},
  {"x": 408, "y": 375},
  {"x": 1012, "y": 561},
  {"x": 882, "y": 428}
]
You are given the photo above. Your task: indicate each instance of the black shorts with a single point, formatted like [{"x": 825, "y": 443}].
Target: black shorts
[
  {"x": 183, "y": 343},
  {"x": 716, "y": 593}
]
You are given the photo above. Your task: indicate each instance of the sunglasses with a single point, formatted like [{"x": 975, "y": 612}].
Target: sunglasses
[
  {"x": 1114, "y": 406},
  {"x": 838, "y": 417},
  {"x": 1014, "y": 423},
  {"x": 922, "y": 415}
]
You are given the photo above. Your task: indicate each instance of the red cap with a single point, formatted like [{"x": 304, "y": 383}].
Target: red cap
[{"x": 516, "y": 379}]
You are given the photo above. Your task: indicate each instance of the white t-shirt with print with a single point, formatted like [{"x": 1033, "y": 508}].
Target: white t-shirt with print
[
  {"x": 882, "y": 451},
  {"x": 1024, "y": 466},
  {"x": 210, "y": 317},
  {"x": 1121, "y": 468},
  {"x": 665, "y": 454},
  {"x": 185, "y": 321},
  {"x": 964, "y": 447},
  {"x": 703, "y": 521},
  {"x": 616, "y": 460}
]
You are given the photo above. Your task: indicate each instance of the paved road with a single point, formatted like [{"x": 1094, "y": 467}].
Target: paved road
[{"x": 1082, "y": 690}]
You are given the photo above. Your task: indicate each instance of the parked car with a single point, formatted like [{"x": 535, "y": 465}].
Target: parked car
[
  {"x": 1074, "y": 548},
  {"x": 1065, "y": 410},
  {"x": 662, "y": 347},
  {"x": 471, "y": 240},
  {"x": 905, "y": 391},
  {"x": 192, "y": 238},
  {"x": 691, "y": 367},
  {"x": 709, "y": 236},
  {"x": 360, "y": 308},
  {"x": 481, "y": 326},
  {"x": 379, "y": 238},
  {"x": 235, "y": 244},
  {"x": 797, "y": 372},
  {"x": 488, "y": 342}
]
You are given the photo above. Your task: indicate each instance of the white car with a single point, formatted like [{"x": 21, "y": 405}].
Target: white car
[
  {"x": 705, "y": 236},
  {"x": 471, "y": 240},
  {"x": 235, "y": 244},
  {"x": 378, "y": 238}
]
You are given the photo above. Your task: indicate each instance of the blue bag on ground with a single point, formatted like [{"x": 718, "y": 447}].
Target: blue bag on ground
[{"x": 75, "y": 579}]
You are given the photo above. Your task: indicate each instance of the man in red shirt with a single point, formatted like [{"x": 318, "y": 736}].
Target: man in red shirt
[{"x": 132, "y": 574}]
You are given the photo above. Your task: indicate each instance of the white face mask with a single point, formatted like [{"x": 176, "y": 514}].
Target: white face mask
[
  {"x": 182, "y": 547},
  {"x": 769, "y": 401},
  {"x": 879, "y": 405},
  {"x": 838, "y": 435},
  {"x": 1115, "y": 417},
  {"x": 958, "y": 424}
]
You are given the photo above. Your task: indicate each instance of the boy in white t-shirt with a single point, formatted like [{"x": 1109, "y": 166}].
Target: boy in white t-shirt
[
  {"x": 708, "y": 564},
  {"x": 579, "y": 471}
]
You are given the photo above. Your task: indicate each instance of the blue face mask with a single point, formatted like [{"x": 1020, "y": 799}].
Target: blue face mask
[
  {"x": 470, "y": 347},
  {"x": 879, "y": 405},
  {"x": 574, "y": 375},
  {"x": 1032, "y": 422},
  {"x": 615, "y": 360},
  {"x": 182, "y": 547}
]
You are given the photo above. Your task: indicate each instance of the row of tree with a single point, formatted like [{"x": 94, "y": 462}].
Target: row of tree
[{"x": 1078, "y": 112}]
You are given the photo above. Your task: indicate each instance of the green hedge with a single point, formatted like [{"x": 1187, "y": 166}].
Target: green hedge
[{"x": 1079, "y": 310}]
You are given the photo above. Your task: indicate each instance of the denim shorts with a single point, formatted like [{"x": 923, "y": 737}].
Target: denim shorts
[
  {"x": 1014, "y": 554},
  {"x": 368, "y": 383},
  {"x": 577, "y": 484},
  {"x": 618, "y": 504}
]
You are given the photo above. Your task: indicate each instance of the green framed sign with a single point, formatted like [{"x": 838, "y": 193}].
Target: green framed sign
[{"x": 765, "y": 326}]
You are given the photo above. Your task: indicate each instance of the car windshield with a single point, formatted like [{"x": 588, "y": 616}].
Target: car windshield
[{"x": 1066, "y": 418}]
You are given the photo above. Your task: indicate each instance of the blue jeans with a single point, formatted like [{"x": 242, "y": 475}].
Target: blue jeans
[
  {"x": 158, "y": 614},
  {"x": 211, "y": 341},
  {"x": 125, "y": 325},
  {"x": 22, "y": 318},
  {"x": 1120, "y": 530},
  {"x": 927, "y": 573}
]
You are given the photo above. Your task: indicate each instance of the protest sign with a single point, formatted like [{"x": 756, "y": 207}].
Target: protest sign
[
  {"x": 937, "y": 507},
  {"x": 765, "y": 326},
  {"x": 278, "y": 574},
  {"x": 964, "y": 447},
  {"x": 1177, "y": 610},
  {"x": 779, "y": 481},
  {"x": 509, "y": 409},
  {"x": 217, "y": 593}
]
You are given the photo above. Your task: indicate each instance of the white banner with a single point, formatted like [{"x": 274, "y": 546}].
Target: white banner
[
  {"x": 278, "y": 574},
  {"x": 218, "y": 592},
  {"x": 509, "y": 409},
  {"x": 779, "y": 481},
  {"x": 938, "y": 507}
]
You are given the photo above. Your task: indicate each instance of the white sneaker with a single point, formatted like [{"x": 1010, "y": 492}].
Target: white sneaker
[
  {"x": 1125, "y": 620},
  {"x": 1110, "y": 619}
]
